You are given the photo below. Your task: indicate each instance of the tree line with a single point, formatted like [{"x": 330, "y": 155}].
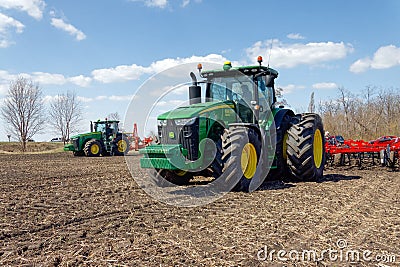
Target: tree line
[
  {"x": 24, "y": 111},
  {"x": 372, "y": 113}
]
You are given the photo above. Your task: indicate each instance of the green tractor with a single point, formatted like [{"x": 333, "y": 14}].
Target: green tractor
[
  {"x": 240, "y": 115},
  {"x": 104, "y": 139}
]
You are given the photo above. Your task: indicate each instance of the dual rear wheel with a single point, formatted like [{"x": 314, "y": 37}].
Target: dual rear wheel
[{"x": 306, "y": 149}]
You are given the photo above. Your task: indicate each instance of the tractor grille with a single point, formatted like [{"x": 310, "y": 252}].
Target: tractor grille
[
  {"x": 75, "y": 142},
  {"x": 186, "y": 135}
]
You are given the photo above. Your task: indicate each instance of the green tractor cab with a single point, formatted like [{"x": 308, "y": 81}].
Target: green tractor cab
[
  {"x": 238, "y": 119},
  {"x": 103, "y": 139}
]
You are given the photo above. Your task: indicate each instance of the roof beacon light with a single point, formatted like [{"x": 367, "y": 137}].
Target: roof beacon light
[
  {"x": 227, "y": 65},
  {"x": 199, "y": 67},
  {"x": 259, "y": 60}
]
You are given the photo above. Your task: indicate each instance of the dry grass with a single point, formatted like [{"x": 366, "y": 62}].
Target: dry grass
[{"x": 31, "y": 147}]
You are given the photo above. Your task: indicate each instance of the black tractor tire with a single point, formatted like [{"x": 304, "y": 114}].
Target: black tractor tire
[
  {"x": 217, "y": 164},
  {"x": 280, "y": 173},
  {"x": 241, "y": 148},
  {"x": 178, "y": 177},
  {"x": 217, "y": 134},
  {"x": 120, "y": 146},
  {"x": 306, "y": 149},
  {"x": 93, "y": 148}
]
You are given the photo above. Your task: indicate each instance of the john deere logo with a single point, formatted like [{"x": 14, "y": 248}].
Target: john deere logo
[{"x": 171, "y": 135}]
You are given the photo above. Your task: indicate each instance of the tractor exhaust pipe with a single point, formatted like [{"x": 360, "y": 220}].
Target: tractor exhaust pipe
[
  {"x": 91, "y": 126},
  {"x": 194, "y": 91}
]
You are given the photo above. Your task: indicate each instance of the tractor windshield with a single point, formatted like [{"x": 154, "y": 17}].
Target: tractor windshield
[
  {"x": 100, "y": 127},
  {"x": 231, "y": 88},
  {"x": 265, "y": 94},
  {"x": 105, "y": 126}
]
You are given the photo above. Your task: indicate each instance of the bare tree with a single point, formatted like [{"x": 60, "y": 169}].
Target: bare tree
[
  {"x": 280, "y": 98},
  {"x": 23, "y": 109},
  {"x": 65, "y": 113},
  {"x": 114, "y": 116},
  {"x": 367, "y": 115},
  {"x": 311, "y": 105}
]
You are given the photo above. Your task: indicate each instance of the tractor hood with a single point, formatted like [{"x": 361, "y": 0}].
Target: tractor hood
[
  {"x": 194, "y": 110},
  {"x": 86, "y": 134}
]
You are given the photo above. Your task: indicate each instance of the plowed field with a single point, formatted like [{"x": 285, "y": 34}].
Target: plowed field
[{"x": 60, "y": 210}]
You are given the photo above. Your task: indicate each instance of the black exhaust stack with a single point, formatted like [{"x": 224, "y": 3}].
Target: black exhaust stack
[
  {"x": 91, "y": 126},
  {"x": 194, "y": 91}
]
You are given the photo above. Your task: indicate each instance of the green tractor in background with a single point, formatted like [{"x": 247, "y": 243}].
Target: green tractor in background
[
  {"x": 239, "y": 113},
  {"x": 104, "y": 139}
]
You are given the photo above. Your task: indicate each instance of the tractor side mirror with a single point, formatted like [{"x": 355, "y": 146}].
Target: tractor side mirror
[{"x": 270, "y": 80}]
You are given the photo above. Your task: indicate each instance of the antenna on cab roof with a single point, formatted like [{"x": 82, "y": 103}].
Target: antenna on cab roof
[{"x": 270, "y": 51}]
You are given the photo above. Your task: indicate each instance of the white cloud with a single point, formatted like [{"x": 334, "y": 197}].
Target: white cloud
[
  {"x": 167, "y": 63},
  {"x": 156, "y": 3},
  {"x": 120, "y": 97},
  {"x": 120, "y": 73},
  {"x": 62, "y": 25},
  {"x": 101, "y": 97},
  {"x": 385, "y": 57},
  {"x": 46, "y": 78},
  {"x": 295, "y": 36},
  {"x": 107, "y": 98},
  {"x": 3, "y": 88},
  {"x": 51, "y": 98},
  {"x": 6, "y": 24},
  {"x": 185, "y": 3},
  {"x": 291, "y": 55},
  {"x": 287, "y": 89},
  {"x": 361, "y": 65},
  {"x": 5, "y": 76},
  {"x": 153, "y": 3},
  {"x": 80, "y": 80},
  {"x": 34, "y": 8},
  {"x": 9, "y": 22},
  {"x": 124, "y": 73},
  {"x": 325, "y": 85},
  {"x": 84, "y": 99}
]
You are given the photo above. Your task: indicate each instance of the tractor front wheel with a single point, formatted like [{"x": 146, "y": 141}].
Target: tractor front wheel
[
  {"x": 306, "y": 148},
  {"x": 242, "y": 148},
  {"x": 93, "y": 148}
]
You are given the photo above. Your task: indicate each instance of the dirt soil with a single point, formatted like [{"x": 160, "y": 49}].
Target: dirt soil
[{"x": 60, "y": 210}]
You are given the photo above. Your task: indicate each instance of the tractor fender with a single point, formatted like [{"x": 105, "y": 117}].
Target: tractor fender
[{"x": 278, "y": 118}]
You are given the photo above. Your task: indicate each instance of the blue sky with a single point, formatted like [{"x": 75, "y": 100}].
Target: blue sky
[{"x": 105, "y": 50}]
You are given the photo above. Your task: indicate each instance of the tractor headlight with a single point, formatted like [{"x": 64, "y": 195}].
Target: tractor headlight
[
  {"x": 185, "y": 121},
  {"x": 162, "y": 122}
]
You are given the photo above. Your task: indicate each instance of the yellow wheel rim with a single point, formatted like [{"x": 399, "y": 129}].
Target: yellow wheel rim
[
  {"x": 284, "y": 146},
  {"x": 122, "y": 145},
  {"x": 249, "y": 160},
  {"x": 318, "y": 148},
  {"x": 180, "y": 172},
  {"x": 94, "y": 149}
]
